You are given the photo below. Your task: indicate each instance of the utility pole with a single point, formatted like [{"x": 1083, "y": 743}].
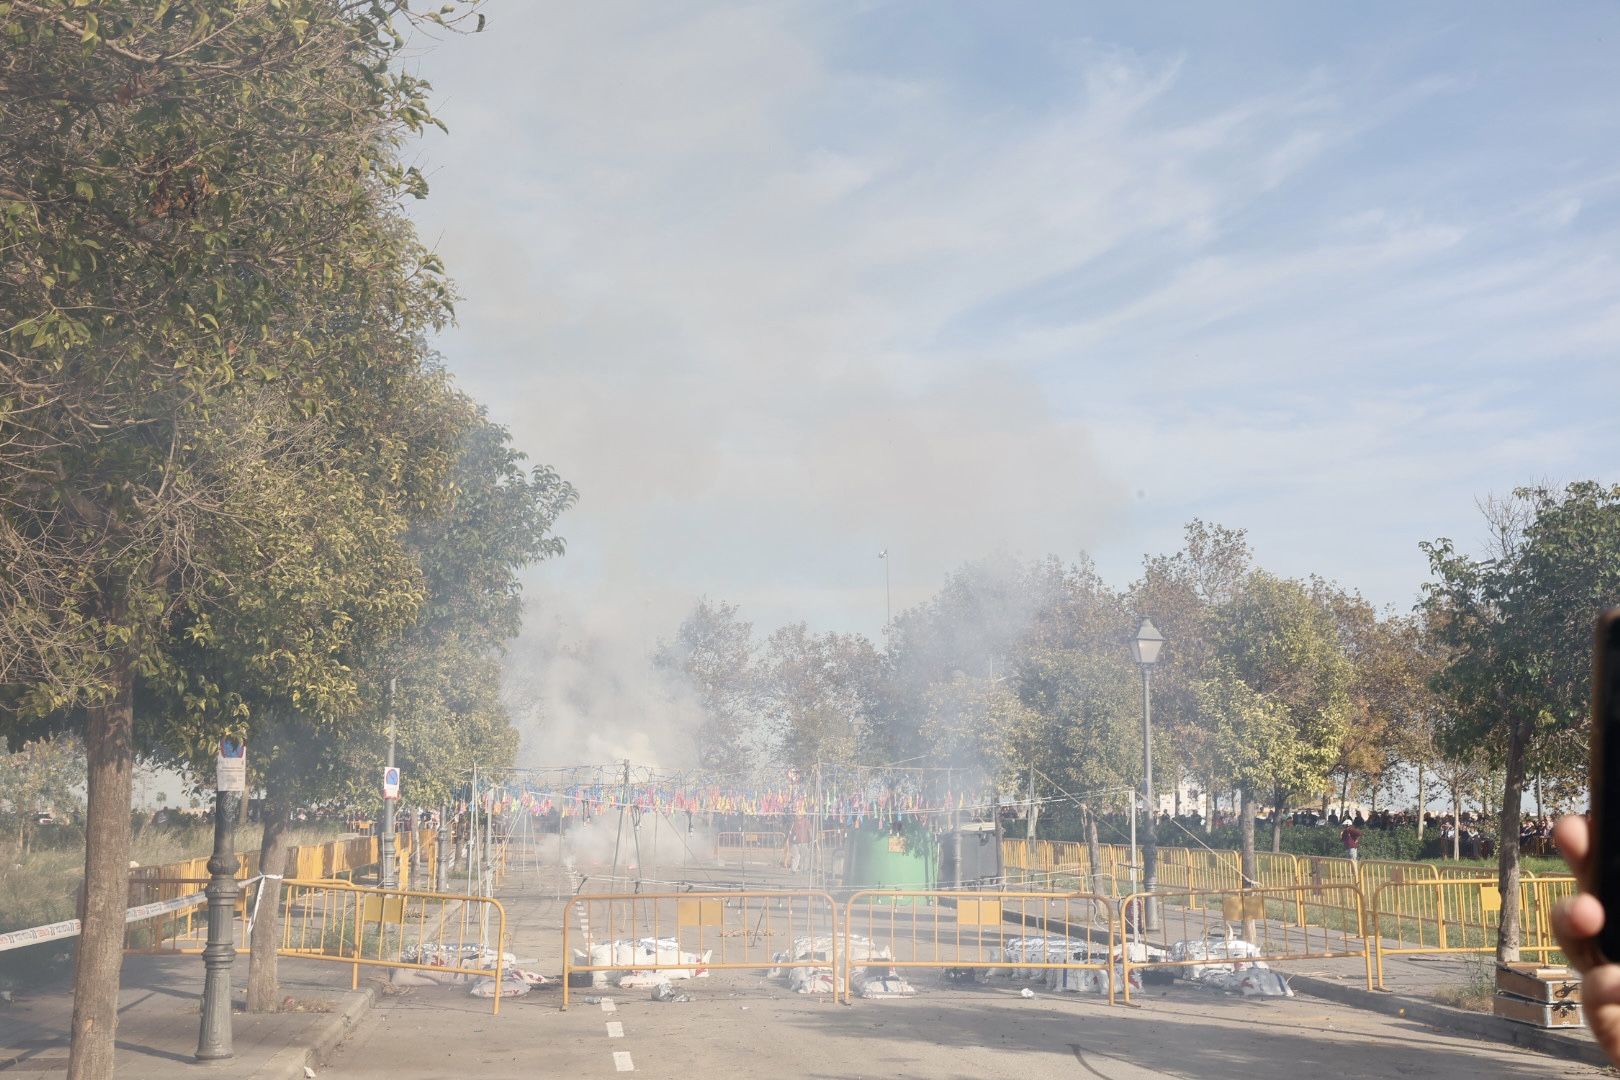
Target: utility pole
[
  {"x": 1034, "y": 816},
  {"x": 624, "y": 798},
  {"x": 447, "y": 855},
  {"x": 390, "y": 868}
]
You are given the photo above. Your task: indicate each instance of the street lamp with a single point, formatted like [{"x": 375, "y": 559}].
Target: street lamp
[{"x": 1146, "y": 646}]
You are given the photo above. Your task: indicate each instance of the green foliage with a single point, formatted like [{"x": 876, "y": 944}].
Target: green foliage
[
  {"x": 1276, "y": 697},
  {"x": 818, "y": 695},
  {"x": 712, "y": 660},
  {"x": 42, "y": 775}
]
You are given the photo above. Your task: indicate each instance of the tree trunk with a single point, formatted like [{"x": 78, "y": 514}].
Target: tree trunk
[
  {"x": 110, "y": 757},
  {"x": 1507, "y": 846},
  {"x": 1344, "y": 795},
  {"x": 1277, "y": 824},
  {"x": 1423, "y": 804},
  {"x": 263, "y": 988},
  {"x": 1094, "y": 853},
  {"x": 1246, "y": 812},
  {"x": 1456, "y": 821}
]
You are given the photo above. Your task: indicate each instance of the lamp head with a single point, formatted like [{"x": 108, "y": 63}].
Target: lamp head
[{"x": 1147, "y": 643}]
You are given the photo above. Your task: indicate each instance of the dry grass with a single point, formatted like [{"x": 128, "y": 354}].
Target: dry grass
[{"x": 1477, "y": 993}]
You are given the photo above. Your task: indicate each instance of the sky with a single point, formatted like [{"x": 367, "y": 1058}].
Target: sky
[{"x": 779, "y": 286}]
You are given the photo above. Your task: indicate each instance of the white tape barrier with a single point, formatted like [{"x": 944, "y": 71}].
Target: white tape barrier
[{"x": 37, "y": 935}]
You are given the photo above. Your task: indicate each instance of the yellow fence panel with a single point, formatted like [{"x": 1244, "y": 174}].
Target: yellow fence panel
[
  {"x": 1264, "y": 918},
  {"x": 394, "y": 928},
  {"x": 1461, "y": 915},
  {"x": 968, "y": 931}
]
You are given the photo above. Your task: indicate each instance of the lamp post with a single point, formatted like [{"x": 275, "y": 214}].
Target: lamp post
[
  {"x": 1146, "y": 646},
  {"x": 214, "y": 1037}
]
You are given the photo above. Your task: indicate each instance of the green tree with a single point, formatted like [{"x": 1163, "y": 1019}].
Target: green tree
[
  {"x": 1183, "y": 593},
  {"x": 1277, "y": 698},
  {"x": 198, "y": 208},
  {"x": 817, "y": 693},
  {"x": 712, "y": 659},
  {"x": 43, "y": 775},
  {"x": 1518, "y": 624}
]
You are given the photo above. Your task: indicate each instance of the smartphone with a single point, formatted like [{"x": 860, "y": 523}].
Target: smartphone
[{"x": 1604, "y": 787}]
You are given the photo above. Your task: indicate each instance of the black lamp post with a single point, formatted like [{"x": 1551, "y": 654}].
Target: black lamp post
[{"x": 214, "y": 1038}]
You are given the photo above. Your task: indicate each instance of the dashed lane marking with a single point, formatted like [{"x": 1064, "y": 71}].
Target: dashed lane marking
[
  {"x": 615, "y": 1029},
  {"x": 622, "y": 1062},
  {"x": 609, "y": 1005}
]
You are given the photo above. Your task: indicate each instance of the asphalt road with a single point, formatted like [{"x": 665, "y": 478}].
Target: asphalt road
[{"x": 734, "y": 1030}]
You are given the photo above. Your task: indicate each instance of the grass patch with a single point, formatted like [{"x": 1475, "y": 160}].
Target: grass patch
[{"x": 1477, "y": 992}]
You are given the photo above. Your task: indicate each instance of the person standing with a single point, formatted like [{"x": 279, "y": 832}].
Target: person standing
[{"x": 1351, "y": 839}]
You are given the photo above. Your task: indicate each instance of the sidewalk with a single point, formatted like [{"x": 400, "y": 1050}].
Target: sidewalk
[
  {"x": 159, "y": 1016},
  {"x": 1414, "y": 983}
]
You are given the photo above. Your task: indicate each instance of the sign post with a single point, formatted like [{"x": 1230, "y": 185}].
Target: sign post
[
  {"x": 230, "y": 782},
  {"x": 389, "y": 876}
]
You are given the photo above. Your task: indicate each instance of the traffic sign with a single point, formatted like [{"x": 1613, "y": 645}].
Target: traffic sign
[
  {"x": 230, "y": 768},
  {"x": 391, "y": 782}
]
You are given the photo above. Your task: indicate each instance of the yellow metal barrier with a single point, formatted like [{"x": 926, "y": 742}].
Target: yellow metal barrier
[
  {"x": 394, "y": 928},
  {"x": 182, "y": 930},
  {"x": 737, "y": 930},
  {"x": 1221, "y": 916},
  {"x": 943, "y": 929},
  {"x": 1459, "y": 915}
]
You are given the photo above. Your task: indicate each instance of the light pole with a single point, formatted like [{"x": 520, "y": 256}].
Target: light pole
[
  {"x": 1146, "y": 646},
  {"x": 214, "y": 1037}
]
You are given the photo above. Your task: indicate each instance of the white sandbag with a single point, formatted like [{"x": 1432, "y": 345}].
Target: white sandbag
[
  {"x": 811, "y": 980},
  {"x": 512, "y": 985},
  {"x": 640, "y": 957},
  {"x": 887, "y": 984}
]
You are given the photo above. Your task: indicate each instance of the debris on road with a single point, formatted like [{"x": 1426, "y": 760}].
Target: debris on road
[
  {"x": 666, "y": 992},
  {"x": 1243, "y": 975}
]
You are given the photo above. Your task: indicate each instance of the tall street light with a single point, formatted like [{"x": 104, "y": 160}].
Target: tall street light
[{"x": 1146, "y": 646}]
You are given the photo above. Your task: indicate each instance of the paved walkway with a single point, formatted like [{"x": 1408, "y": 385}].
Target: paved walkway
[{"x": 159, "y": 1017}]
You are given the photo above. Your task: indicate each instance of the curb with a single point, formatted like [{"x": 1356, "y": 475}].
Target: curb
[
  {"x": 289, "y": 1063},
  {"x": 1457, "y": 1021}
]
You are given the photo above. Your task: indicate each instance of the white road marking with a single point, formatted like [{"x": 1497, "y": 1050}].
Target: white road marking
[
  {"x": 609, "y": 1005},
  {"x": 615, "y": 1029},
  {"x": 622, "y": 1062}
]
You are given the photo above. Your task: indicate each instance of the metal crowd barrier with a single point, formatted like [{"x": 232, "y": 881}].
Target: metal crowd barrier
[
  {"x": 1268, "y": 919},
  {"x": 394, "y": 928},
  {"x": 1459, "y": 916},
  {"x": 972, "y": 931},
  {"x": 736, "y": 930}
]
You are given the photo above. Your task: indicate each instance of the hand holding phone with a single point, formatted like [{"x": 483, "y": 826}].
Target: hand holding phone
[
  {"x": 1603, "y": 865},
  {"x": 1588, "y": 924}
]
